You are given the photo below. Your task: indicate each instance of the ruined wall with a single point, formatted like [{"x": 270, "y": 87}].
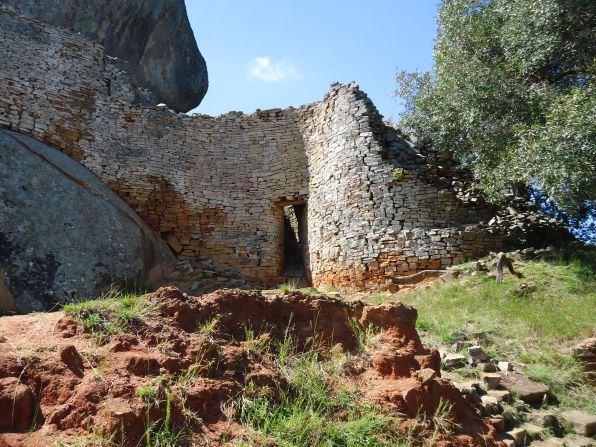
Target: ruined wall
[
  {"x": 211, "y": 183},
  {"x": 378, "y": 206}
]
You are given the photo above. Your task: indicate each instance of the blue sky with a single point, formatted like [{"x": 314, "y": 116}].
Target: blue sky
[{"x": 279, "y": 53}]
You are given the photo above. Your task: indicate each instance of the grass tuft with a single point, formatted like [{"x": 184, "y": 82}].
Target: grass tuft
[{"x": 113, "y": 313}]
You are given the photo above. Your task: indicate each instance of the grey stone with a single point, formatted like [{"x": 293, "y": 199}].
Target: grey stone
[
  {"x": 458, "y": 336},
  {"x": 490, "y": 368},
  {"x": 64, "y": 235},
  {"x": 582, "y": 423},
  {"x": 500, "y": 395},
  {"x": 477, "y": 353},
  {"x": 518, "y": 435},
  {"x": 530, "y": 392},
  {"x": 155, "y": 37},
  {"x": 454, "y": 361},
  {"x": 505, "y": 366},
  {"x": 492, "y": 381},
  {"x": 578, "y": 441}
]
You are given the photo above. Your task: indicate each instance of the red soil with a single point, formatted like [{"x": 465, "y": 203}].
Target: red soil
[{"x": 56, "y": 383}]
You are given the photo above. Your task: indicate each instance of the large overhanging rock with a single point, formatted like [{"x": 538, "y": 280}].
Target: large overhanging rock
[
  {"x": 154, "y": 36},
  {"x": 63, "y": 233}
]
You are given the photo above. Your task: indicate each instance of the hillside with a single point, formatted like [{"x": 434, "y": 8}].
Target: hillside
[{"x": 284, "y": 368}]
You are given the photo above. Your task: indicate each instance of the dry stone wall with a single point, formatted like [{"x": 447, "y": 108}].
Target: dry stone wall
[{"x": 378, "y": 205}]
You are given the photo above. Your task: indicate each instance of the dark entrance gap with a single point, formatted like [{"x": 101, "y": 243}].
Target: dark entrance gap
[{"x": 295, "y": 268}]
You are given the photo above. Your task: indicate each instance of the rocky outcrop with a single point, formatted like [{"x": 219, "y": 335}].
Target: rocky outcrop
[
  {"x": 63, "y": 233},
  {"x": 154, "y": 37}
]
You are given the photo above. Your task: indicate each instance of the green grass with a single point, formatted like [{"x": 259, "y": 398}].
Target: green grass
[
  {"x": 113, "y": 313},
  {"x": 535, "y": 330},
  {"x": 306, "y": 414},
  {"x": 289, "y": 286}
]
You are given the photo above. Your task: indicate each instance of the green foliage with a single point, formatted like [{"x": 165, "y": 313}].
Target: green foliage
[
  {"x": 114, "y": 312},
  {"x": 512, "y": 96},
  {"x": 289, "y": 286},
  {"x": 209, "y": 328},
  {"x": 365, "y": 336},
  {"x": 399, "y": 174},
  {"x": 305, "y": 414}
]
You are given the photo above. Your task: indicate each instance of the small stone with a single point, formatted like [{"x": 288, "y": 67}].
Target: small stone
[
  {"x": 500, "y": 395},
  {"x": 490, "y": 404},
  {"x": 490, "y": 368},
  {"x": 530, "y": 392},
  {"x": 491, "y": 381},
  {"x": 508, "y": 442},
  {"x": 458, "y": 336},
  {"x": 426, "y": 375},
  {"x": 477, "y": 353},
  {"x": 544, "y": 419},
  {"x": 479, "y": 336},
  {"x": 454, "y": 361},
  {"x": 72, "y": 359},
  {"x": 578, "y": 441},
  {"x": 505, "y": 366},
  {"x": 499, "y": 422},
  {"x": 582, "y": 423},
  {"x": 519, "y": 435}
]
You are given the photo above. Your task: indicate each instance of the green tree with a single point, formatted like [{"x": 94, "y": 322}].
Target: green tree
[{"x": 511, "y": 95}]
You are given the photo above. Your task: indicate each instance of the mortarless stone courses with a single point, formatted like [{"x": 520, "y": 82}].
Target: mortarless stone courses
[{"x": 378, "y": 204}]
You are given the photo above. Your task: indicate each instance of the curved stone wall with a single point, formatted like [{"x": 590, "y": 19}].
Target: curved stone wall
[{"x": 378, "y": 204}]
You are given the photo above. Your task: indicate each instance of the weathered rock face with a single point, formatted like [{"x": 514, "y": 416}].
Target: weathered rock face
[
  {"x": 63, "y": 233},
  {"x": 154, "y": 36}
]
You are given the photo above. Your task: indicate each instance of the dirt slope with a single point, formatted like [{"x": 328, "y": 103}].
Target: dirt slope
[{"x": 189, "y": 356}]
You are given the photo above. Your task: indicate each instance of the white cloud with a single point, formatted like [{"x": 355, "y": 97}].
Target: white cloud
[{"x": 262, "y": 68}]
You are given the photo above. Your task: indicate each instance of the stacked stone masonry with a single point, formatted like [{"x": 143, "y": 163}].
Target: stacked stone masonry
[{"x": 378, "y": 204}]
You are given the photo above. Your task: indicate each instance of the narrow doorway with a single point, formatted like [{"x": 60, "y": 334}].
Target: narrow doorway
[{"x": 295, "y": 245}]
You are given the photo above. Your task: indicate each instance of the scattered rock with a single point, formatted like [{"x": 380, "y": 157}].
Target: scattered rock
[
  {"x": 586, "y": 353},
  {"x": 476, "y": 352},
  {"x": 498, "y": 422},
  {"x": 490, "y": 368},
  {"x": 525, "y": 289},
  {"x": 505, "y": 366},
  {"x": 491, "y": 404},
  {"x": 425, "y": 375},
  {"x": 491, "y": 381},
  {"x": 518, "y": 435},
  {"x": 66, "y": 326},
  {"x": 582, "y": 423},
  {"x": 454, "y": 361},
  {"x": 72, "y": 359},
  {"x": 500, "y": 395},
  {"x": 530, "y": 392}
]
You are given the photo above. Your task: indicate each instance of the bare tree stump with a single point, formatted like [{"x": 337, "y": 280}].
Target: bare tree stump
[{"x": 503, "y": 260}]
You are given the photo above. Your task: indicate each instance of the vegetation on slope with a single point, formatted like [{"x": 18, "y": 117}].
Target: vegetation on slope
[{"x": 535, "y": 328}]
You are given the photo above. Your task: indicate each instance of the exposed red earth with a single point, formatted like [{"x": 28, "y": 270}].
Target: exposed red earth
[{"x": 58, "y": 383}]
